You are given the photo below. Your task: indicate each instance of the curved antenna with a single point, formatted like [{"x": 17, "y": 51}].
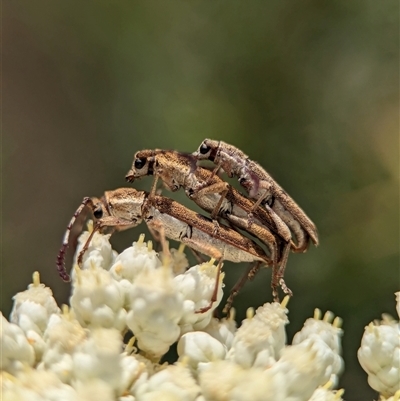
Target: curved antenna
[{"x": 63, "y": 250}]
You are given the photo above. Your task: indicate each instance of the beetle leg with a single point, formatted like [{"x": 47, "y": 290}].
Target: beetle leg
[
  {"x": 215, "y": 292},
  {"x": 251, "y": 271}
]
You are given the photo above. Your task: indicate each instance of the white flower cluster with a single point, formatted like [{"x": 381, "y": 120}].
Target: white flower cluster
[
  {"x": 379, "y": 355},
  {"x": 83, "y": 352}
]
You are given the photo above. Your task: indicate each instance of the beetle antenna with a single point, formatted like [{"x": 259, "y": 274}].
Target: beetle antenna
[{"x": 63, "y": 250}]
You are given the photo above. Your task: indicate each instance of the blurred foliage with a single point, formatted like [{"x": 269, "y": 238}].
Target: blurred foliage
[{"x": 309, "y": 89}]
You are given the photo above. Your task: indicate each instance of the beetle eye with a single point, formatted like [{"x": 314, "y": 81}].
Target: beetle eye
[
  {"x": 98, "y": 212},
  {"x": 139, "y": 163},
  {"x": 204, "y": 149}
]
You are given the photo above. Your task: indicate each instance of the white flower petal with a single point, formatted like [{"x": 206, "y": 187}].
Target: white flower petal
[
  {"x": 32, "y": 308},
  {"x": 133, "y": 261},
  {"x": 15, "y": 348},
  {"x": 99, "y": 252},
  {"x": 173, "y": 383},
  {"x": 323, "y": 394},
  {"x": 222, "y": 330},
  {"x": 263, "y": 333},
  {"x": 379, "y": 356},
  {"x": 99, "y": 358},
  {"x": 199, "y": 347},
  {"x": 33, "y": 385},
  {"x": 97, "y": 299},
  {"x": 155, "y": 310},
  {"x": 305, "y": 367},
  {"x": 197, "y": 286},
  {"x": 98, "y": 390}
]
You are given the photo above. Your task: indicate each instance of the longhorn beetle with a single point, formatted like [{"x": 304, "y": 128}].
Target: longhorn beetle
[
  {"x": 220, "y": 199},
  {"x": 126, "y": 207},
  {"x": 260, "y": 186}
]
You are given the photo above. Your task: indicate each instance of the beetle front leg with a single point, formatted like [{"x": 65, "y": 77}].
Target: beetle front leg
[
  {"x": 153, "y": 187},
  {"x": 85, "y": 247},
  {"x": 115, "y": 223}
]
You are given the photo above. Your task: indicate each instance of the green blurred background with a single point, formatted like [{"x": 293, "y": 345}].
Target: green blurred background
[{"x": 307, "y": 88}]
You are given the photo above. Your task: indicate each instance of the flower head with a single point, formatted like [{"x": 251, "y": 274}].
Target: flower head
[
  {"x": 379, "y": 356},
  {"x": 155, "y": 311},
  {"x": 16, "y": 352},
  {"x": 97, "y": 299}
]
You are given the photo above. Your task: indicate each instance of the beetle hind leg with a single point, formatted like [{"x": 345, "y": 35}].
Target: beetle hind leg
[
  {"x": 215, "y": 292},
  {"x": 250, "y": 273}
]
